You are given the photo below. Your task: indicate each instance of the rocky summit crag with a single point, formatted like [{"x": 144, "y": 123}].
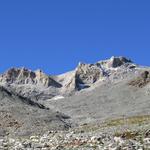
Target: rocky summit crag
[{"x": 110, "y": 97}]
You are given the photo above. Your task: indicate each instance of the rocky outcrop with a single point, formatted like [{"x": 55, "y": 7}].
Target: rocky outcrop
[
  {"x": 45, "y": 80},
  {"x": 141, "y": 80},
  {"x": 118, "y": 61},
  {"x": 85, "y": 75},
  {"x": 82, "y": 77},
  {"x": 115, "y": 62},
  {"x": 30, "y": 84},
  {"x": 26, "y": 76},
  {"x": 88, "y": 73}
]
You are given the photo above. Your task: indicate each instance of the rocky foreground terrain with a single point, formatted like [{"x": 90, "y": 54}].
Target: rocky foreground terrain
[{"x": 97, "y": 106}]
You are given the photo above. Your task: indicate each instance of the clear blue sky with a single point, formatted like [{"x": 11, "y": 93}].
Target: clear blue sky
[{"x": 55, "y": 35}]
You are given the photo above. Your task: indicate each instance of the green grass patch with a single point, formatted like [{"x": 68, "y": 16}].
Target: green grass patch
[
  {"x": 128, "y": 121},
  {"x": 127, "y": 134},
  {"x": 137, "y": 120}
]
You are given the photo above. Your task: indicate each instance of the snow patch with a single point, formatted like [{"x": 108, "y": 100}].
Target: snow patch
[{"x": 58, "y": 97}]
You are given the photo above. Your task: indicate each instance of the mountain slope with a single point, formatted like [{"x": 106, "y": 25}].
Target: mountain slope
[
  {"x": 96, "y": 106},
  {"x": 89, "y": 94},
  {"x": 106, "y": 101},
  {"x": 22, "y": 116}
]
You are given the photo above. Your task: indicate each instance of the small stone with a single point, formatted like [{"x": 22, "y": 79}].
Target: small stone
[{"x": 1, "y": 141}]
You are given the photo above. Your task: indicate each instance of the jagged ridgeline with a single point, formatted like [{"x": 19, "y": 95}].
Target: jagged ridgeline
[{"x": 39, "y": 86}]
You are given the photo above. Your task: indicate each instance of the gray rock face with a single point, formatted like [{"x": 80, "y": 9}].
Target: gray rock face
[
  {"x": 88, "y": 73},
  {"x": 118, "y": 61},
  {"x": 25, "y": 76},
  {"x": 85, "y": 75},
  {"x": 35, "y": 85},
  {"x": 115, "y": 62}
]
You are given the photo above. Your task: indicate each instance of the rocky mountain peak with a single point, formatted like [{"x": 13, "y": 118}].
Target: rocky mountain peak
[
  {"x": 26, "y": 76},
  {"x": 118, "y": 61},
  {"x": 115, "y": 62},
  {"x": 18, "y": 76},
  {"x": 86, "y": 75}
]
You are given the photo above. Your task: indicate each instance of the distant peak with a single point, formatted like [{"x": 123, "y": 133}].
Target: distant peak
[
  {"x": 122, "y": 58},
  {"x": 26, "y": 76},
  {"x": 87, "y": 74},
  {"x": 115, "y": 62},
  {"x": 118, "y": 61}
]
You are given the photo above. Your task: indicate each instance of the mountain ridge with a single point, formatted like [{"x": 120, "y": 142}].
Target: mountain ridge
[{"x": 38, "y": 85}]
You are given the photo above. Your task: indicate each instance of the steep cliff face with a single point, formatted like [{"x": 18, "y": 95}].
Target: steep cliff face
[
  {"x": 86, "y": 75},
  {"x": 35, "y": 85},
  {"x": 115, "y": 62}
]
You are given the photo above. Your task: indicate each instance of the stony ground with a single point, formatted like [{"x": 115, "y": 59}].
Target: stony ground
[
  {"x": 130, "y": 134},
  {"x": 71, "y": 140}
]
